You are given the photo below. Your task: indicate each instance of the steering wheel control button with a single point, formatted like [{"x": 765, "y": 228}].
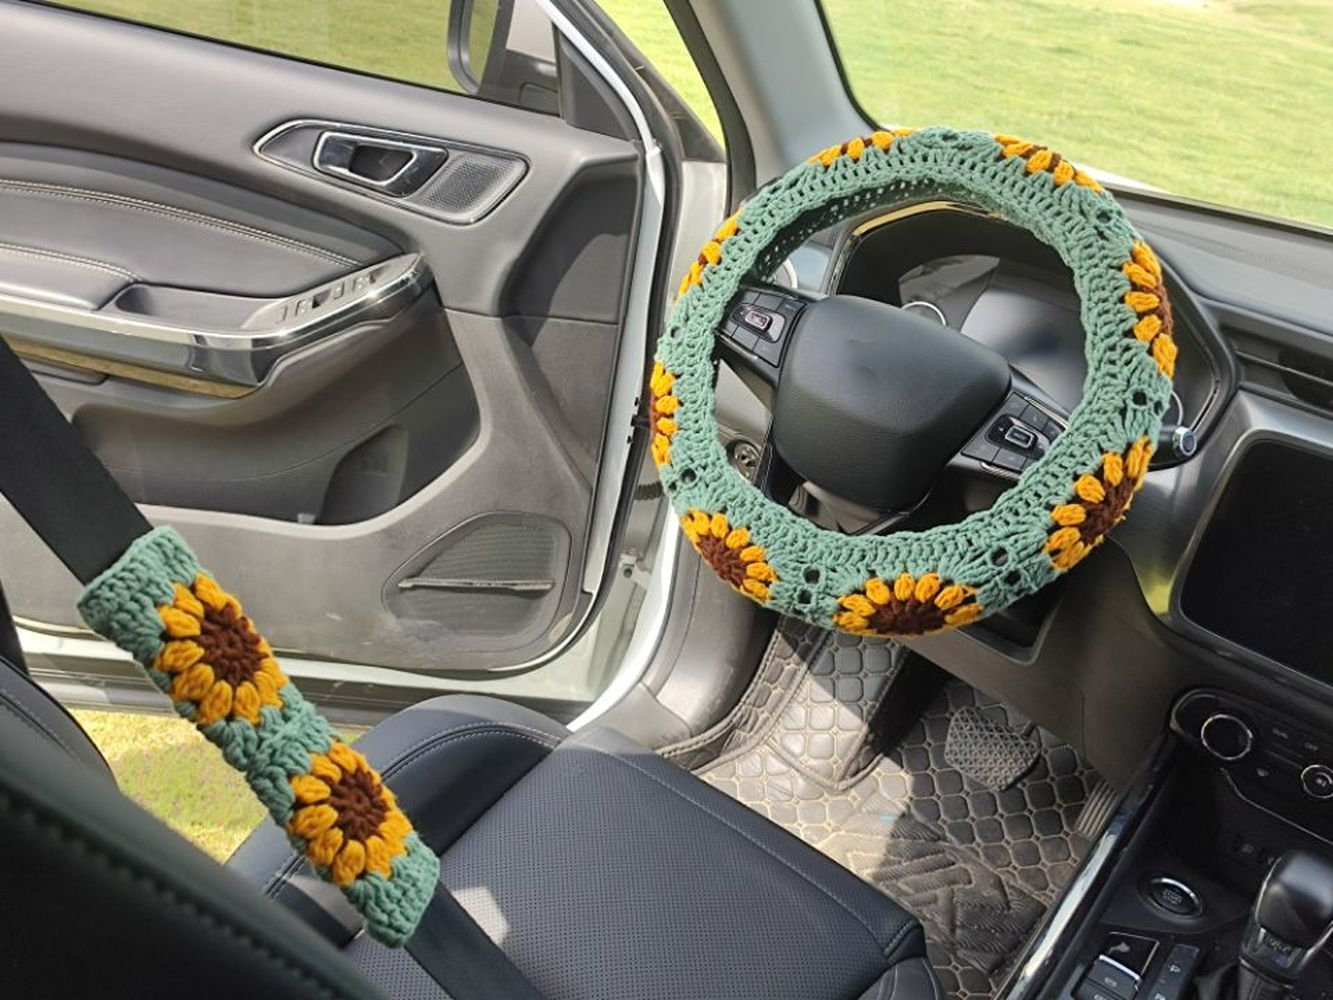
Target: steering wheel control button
[
  {"x": 1176, "y": 974},
  {"x": 1317, "y": 780},
  {"x": 1173, "y": 896},
  {"x": 1129, "y": 951},
  {"x": 1227, "y": 737},
  {"x": 1020, "y": 437}
]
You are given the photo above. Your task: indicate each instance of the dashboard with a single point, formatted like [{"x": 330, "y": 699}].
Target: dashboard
[{"x": 1222, "y": 575}]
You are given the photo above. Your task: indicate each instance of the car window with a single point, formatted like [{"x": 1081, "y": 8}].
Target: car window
[
  {"x": 648, "y": 24},
  {"x": 407, "y": 40},
  {"x": 1224, "y": 101}
]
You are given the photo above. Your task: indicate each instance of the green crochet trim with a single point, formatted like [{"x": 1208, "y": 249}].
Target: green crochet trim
[
  {"x": 196, "y": 644},
  {"x": 910, "y": 583}
]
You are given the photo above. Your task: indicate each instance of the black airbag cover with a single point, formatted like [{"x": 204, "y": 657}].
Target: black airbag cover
[{"x": 874, "y": 400}]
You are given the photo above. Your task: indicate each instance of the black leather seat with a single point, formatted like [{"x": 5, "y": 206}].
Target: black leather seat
[{"x": 600, "y": 869}]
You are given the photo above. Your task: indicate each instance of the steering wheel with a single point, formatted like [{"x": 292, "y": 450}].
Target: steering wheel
[{"x": 871, "y": 402}]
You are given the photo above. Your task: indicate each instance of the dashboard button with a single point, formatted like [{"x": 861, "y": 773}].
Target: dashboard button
[
  {"x": 1317, "y": 780},
  {"x": 1113, "y": 978},
  {"x": 1176, "y": 974},
  {"x": 1131, "y": 951},
  {"x": 981, "y": 450},
  {"x": 1173, "y": 896},
  {"x": 743, "y": 337},
  {"x": 769, "y": 350},
  {"x": 1020, "y": 437},
  {"x": 1010, "y": 460}
]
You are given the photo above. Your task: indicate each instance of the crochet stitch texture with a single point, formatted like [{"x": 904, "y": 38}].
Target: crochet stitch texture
[
  {"x": 910, "y": 583},
  {"x": 196, "y": 643}
]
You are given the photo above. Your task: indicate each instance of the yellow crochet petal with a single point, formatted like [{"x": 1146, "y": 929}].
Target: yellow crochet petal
[
  {"x": 1145, "y": 258},
  {"x": 965, "y": 615},
  {"x": 857, "y": 604},
  {"x": 322, "y": 767},
  {"x": 927, "y": 587},
  {"x": 1113, "y": 469},
  {"x": 1069, "y": 514},
  {"x": 1090, "y": 489},
  {"x": 378, "y": 856},
  {"x": 193, "y": 684},
  {"x": 719, "y": 526},
  {"x": 350, "y": 863},
  {"x": 950, "y": 597},
  {"x": 752, "y": 553},
  {"x": 245, "y": 703},
  {"x": 1142, "y": 302},
  {"x": 208, "y": 591},
  {"x": 311, "y": 821},
  {"x": 309, "y": 789},
  {"x": 755, "y": 589},
  {"x": 216, "y": 705},
  {"x": 850, "y": 621},
  {"x": 738, "y": 539},
  {"x": 344, "y": 756},
  {"x": 1148, "y": 327},
  {"x": 177, "y": 623},
  {"x": 878, "y": 591},
  {"x": 179, "y": 656},
  {"x": 904, "y": 587},
  {"x": 186, "y": 601},
  {"x": 760, "y": 571},
  {"x": 1062, "y": 538},
  {"x": 324, "y": 848}
]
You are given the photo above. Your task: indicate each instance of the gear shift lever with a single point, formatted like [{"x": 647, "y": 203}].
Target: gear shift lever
[{"x": 1291, "y": 921}]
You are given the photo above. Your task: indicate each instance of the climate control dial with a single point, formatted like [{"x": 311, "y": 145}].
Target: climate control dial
[{"x": 1227, "y": 737}]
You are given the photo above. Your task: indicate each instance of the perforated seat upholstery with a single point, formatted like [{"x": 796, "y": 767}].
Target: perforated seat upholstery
[
  {"x": 604, "y": 871},
  {"x": 600, "y": 869}
]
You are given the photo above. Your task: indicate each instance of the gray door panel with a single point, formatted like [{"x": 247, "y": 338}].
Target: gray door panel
[{"x": 410, "y": 490}]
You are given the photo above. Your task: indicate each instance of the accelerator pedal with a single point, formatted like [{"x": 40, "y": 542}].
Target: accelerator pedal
[{"x": 989, "y": 752}]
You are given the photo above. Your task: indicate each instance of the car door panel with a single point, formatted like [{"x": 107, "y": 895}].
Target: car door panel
[{"x": 412, "y": 489}]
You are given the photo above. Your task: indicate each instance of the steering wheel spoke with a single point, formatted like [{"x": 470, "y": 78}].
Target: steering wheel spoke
[
  {"x": 754, "y": 335},
  {"x": 1014, "y": 436}
]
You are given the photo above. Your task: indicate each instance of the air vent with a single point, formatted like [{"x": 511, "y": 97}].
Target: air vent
[{"x": 1270, "y": 365}]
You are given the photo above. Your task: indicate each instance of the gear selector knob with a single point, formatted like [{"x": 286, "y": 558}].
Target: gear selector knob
[{"x": 1292, "y": 920}]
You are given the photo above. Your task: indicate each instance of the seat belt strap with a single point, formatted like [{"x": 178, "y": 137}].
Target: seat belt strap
[
  {"x": 67, "y": 496},
  {"x": 455, "y": 952},
  {"x": 54, "y": 480}
]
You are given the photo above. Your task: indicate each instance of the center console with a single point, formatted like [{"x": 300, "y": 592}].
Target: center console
[{"x": 1174, "y": 895}]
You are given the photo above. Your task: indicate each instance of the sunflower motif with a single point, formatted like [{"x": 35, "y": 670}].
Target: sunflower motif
[
  {"x": 1147, "y": 297},
  {"x": 348, "y": 818},
  {"x": 710, "y": 254},
  {"x": 1042, "y": 160},
  {"x": 1100, "y": 503},
  {"x": 853, "y": 148},
  {"x": 729, "y": 551},
  {"x": 215, "y": 658},
  {"x": 662, "y": 408},
  {"x": 908, "y": 606}
]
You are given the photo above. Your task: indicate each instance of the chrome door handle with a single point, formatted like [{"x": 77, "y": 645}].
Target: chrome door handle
[
  {"x": 390, "y": 166},
  {"x": 207, "y": 343}
]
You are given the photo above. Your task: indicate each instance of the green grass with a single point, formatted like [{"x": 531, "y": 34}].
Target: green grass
[
  {"x": 1224, "y": 101},
  {"x": 168, "y": 768}
]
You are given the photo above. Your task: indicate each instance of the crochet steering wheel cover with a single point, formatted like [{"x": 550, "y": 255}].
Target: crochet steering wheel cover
[{"x": 1061, "y": 508}]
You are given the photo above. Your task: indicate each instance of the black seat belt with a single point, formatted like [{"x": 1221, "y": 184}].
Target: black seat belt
[
  {"x": 54, "y": 480},
  {"x": 67, "y": 496}
]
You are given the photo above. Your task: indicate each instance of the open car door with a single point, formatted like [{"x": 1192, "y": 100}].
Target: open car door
[{"x": 373, "y": 346}]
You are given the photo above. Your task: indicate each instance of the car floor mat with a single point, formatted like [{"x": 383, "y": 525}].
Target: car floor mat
[{"x": 820, "y": 745}]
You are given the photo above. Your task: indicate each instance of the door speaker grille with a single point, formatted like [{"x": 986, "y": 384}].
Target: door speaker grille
[{"x": 497, "y": 574}]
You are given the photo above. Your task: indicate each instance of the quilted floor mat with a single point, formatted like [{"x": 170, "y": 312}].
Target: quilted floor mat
[{"x": 807, "y": 747}]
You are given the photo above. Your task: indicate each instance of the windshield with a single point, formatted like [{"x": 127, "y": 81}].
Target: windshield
[{"x": 1226, "y": 101}]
